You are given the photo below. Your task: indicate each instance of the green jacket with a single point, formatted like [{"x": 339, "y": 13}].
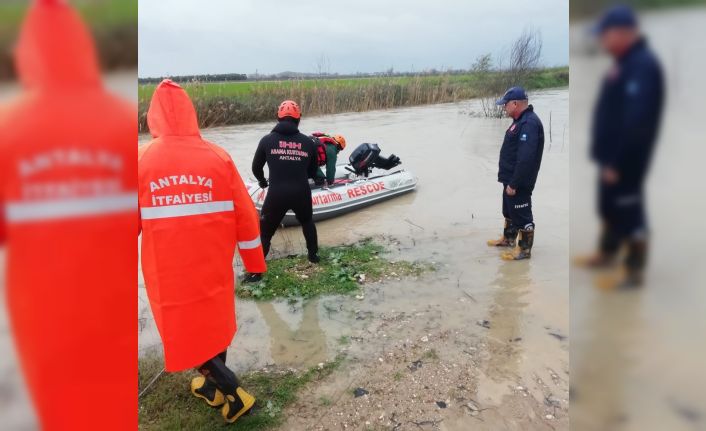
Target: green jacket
[{"x": 331, "y": 159}]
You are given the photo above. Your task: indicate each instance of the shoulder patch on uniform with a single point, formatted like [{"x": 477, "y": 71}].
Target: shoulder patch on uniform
[{"x": 632, "y": 87}]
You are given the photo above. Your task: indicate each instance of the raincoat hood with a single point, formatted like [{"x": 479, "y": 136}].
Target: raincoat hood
[
  {"x": 55, "y": 49},
  {"x": 171, "y": 112}
]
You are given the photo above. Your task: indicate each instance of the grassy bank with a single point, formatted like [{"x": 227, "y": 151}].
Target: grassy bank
[
  {"x": 169, "y": 405},
  {"x": 590, "y": 9},
  {"x": 112, "y": 22},
  {"x": 342, "y": 270},
  {"x": 241, "y": 102}
]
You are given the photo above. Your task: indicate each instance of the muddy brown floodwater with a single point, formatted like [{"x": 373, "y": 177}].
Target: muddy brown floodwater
[{"x": 418, "y": 346}]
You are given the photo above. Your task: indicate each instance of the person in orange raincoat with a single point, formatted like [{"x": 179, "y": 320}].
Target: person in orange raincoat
[
  {"x": 194, "y": 211},
  {"x": 68, "y": 197}
]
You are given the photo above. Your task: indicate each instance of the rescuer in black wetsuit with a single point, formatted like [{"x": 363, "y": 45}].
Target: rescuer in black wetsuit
[{"x": 291, "y": 160}]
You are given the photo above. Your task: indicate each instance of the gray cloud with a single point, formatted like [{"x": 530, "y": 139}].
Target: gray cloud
[{"x": 242, "y": 36}]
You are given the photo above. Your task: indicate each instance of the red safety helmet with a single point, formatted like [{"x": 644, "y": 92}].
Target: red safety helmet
[{"x": 289, "y": 108}]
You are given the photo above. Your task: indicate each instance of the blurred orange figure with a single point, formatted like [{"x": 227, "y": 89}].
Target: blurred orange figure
[
  {"x": 194, "y": 211},
  {"x": 68, "y": 202}
]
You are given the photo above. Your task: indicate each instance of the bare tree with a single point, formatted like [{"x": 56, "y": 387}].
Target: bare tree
[
  {"x": 487, "y": 78},
  {"x": 524, "y": 57},
  {"x": 323, "y": 66},
  {"x": 525, "y": 54},
  {"x": 483, "y": 64}
]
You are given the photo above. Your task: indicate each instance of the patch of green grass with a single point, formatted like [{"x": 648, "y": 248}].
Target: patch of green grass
[
  {"x": 169, "y": 404},
  {"x": 113, "y": 24},
  {"x": 341, "y": 270},
  {"x": 344, "y": 340},
  {"x": 431, "y": 354},
  {"x": 583, "y": 10},
  {"x": 96, "y": 13},
  {"x": 398, "y": 376}
]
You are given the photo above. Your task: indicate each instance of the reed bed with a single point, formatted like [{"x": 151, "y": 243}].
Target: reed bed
[{"x": 230, "y": 103}]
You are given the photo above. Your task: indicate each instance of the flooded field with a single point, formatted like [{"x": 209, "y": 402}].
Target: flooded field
[
  {"x": 629, "y": 360},
  {"x": 488, "y": 332}
]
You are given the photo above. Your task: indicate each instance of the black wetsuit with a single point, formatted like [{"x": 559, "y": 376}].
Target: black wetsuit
[{"x": 291, "y": 159}]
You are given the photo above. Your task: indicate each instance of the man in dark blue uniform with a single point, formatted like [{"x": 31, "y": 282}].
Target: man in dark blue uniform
[
  {"x": 625, "y": 128},
  {"x": 520, "y": 158}
]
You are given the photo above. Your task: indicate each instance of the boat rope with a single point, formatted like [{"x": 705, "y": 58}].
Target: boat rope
[{"x": 149, "y": 385}]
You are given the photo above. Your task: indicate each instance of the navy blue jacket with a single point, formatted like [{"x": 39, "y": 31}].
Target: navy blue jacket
[
  {"x": 627, "y": 114},
  {"x": 521, "y": 153}
]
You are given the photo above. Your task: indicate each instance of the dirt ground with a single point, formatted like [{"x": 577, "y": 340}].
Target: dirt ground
[{"x": 430, "y": 383}]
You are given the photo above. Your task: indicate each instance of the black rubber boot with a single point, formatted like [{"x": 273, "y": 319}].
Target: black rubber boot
[
  {"x": 605, "y": 257},
  {"x": 252, "y": 277},
  {"x": 608, "y": 246},
  {"x": 314, "y": 258},
  {"x": 635, "y": 263},
  {"x": 508, "y": 238},
  {"x": 207, "y": 390},
  {"x": 215, "y": 369},
  {"x": 237, "y": 404},
  {"x": 523, "y": 250}
]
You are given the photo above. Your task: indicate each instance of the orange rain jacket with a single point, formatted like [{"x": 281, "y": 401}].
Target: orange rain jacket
[
  {"x": 194, "y": 211},
  {"x": 68, "y": 197}
]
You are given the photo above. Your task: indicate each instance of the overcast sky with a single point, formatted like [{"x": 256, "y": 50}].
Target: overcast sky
[{"x": 179, "y": 37}]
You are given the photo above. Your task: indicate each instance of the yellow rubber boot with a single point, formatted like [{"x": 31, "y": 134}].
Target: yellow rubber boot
[
  {"x": 203, "y": 388},
  {"x": 508, "y": 238},
  {"x": 500, "y": 242},
  {"x": 237, "y": 405},
  {"x": 595, "y": 261},
  {"x": 523, "y": 250}
]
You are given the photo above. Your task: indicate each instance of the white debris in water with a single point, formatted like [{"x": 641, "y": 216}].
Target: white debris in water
[{"x": 425, "y": 339}]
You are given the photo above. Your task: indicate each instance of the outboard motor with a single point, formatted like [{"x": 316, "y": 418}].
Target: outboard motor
[{"x": 367, "y": 156}]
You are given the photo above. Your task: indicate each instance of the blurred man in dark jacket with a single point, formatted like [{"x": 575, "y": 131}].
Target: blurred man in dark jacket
[
  {"x": 625, "y": 128},
  {"x": 520, "y": 158}
]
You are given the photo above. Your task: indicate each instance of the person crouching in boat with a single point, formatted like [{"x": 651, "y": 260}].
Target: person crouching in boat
[
  {"x": 194, "y": 212},
  {"x": 327, "y": 149}
]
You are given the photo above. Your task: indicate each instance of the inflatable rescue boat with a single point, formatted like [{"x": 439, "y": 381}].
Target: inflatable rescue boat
[{"x": 368, "y": 179}]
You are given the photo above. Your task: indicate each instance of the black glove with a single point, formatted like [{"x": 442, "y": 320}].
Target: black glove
[{"x": 263, "y": 184}]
